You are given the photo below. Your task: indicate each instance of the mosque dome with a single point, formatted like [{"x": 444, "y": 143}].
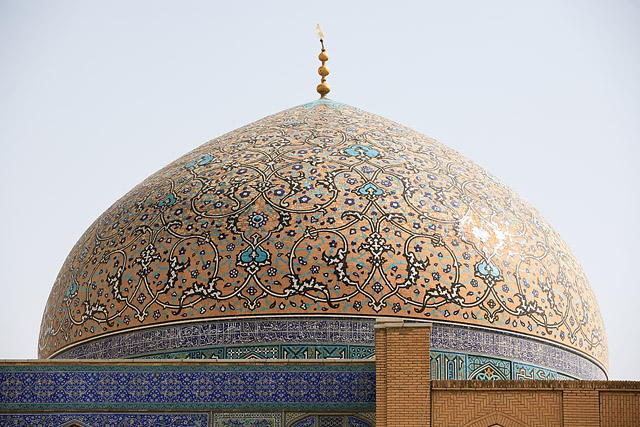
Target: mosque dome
[{"x": 323, "y": 213}]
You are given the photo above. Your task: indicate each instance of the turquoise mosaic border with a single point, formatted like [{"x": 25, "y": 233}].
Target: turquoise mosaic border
[
  {"x": 504, "y": 346},
  {"x": 461, "y": 366}
]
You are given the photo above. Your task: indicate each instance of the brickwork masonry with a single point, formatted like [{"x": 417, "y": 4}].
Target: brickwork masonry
[{"x": 406, "y": 397}]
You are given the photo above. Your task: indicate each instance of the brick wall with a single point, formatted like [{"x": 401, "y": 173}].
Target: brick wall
[
  {"x": 535, "y": 403},
  {"x": 402, "y": 374},
  {"x": 405, "y": 395},
  {"x": 504, "y": 407},
  {"x": 620, "y": 408},
  {"x": 581, "y": 408},
  {"x": 381, "y": 377}
]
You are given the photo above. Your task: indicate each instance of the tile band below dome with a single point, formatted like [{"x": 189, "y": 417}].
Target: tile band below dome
[
  {"x": 225, "y": 333},
  {"x": 456, "y": 352},
  {"x": 527, "y": 355}
]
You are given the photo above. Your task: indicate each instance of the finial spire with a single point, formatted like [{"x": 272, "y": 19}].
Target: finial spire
[{"x": 323, "y": 88}]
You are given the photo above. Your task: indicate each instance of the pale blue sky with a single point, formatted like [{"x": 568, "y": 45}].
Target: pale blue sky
[{"x": 96, "y": 96}]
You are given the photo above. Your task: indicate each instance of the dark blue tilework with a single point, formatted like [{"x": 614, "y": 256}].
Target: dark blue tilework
[
  {"x": 247, "y": 419},
  {"x": 270, "y": 387},
  {"x": 106, "y": 419}
]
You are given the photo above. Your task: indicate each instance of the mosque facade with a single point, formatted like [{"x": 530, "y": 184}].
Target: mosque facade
[{"x": 324, "y": 267}]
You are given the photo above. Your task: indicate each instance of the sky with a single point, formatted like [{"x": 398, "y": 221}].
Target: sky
[{"x": 95, "y": 96}]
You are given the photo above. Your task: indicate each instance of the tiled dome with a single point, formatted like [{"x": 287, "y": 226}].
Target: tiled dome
[{"x": 323, "y": 210}]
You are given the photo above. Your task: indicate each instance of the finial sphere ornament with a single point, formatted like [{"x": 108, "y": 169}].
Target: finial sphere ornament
[
  {"x": 323, "y": 88},
  {"x": 323, "y": 71}
]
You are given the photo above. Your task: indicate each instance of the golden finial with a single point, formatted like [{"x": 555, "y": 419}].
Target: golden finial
[{"x": 323, "y": 88}]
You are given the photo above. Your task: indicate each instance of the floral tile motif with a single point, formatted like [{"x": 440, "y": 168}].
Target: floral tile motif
[
  {"x": 327, "y": 210},
  {"x": 485, "y": 368}
]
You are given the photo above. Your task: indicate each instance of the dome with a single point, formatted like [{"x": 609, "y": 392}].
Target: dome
[{"x": 323, "y": 213}]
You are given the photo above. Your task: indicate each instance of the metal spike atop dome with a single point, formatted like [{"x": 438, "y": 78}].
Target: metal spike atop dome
[{"x": 323, "y": 88}]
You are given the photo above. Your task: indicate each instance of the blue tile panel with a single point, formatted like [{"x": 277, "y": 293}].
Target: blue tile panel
[
  {"x": 192, "y": 419},
  {"x": 309, "y": 420},
  {"x": 463, "y": 340},
  {"x": 358, "y": 422},
  {"x": 350, "y": 388},
  {"x": 247, "y": 419},
  {"x": 225, "y": 336},
  {"x": 106, "y": 419}
]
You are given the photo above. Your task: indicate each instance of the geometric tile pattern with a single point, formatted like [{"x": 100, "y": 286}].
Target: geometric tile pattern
[
  {"x": 103, "y": 387},
  {"x": 192, "y": 419},
  {"x": 216, "y": 336},
  {"x": 484, "y": 368},
  {"x": 330, "y": 421},
  {"x": 500, "y": 345},
  {"x": 319, "y": 420},
  {"x": 322, "y": 209},
  {"x": 484, "y": 408},
  {"x": 247, "y": 419}
]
